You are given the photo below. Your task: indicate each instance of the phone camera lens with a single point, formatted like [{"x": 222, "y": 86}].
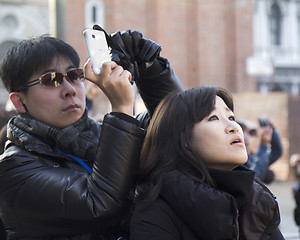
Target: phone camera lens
[{"x": 93, "y": 36}]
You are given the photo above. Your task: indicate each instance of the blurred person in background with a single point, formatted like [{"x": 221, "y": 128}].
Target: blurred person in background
[
  {"x": 5, "y": 115},
  {"x": 263, "y": 145},
  {"x": 95, "y": 100},
  {"x": 295, "y": 165}
]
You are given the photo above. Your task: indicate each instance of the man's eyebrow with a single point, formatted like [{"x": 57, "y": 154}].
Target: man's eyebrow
[
  {"x": 48, "y": 70},
  {"x": 54, "y": 70},
  {"x": 71, "y": 67}
]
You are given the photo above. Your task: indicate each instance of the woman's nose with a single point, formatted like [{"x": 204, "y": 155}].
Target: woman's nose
[{"x": 231, "y": 128}]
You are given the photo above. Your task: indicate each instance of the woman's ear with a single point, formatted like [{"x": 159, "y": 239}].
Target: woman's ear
[{"x": 16, "y": 99}]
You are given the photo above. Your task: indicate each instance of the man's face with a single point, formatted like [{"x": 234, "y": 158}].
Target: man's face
[
  {"x": 252, "y": 140},
  {"x": 57, "y": 106}
]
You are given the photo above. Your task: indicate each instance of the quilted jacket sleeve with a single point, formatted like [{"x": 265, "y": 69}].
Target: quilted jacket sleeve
[
  {"x": 39, "y": 196},
  {"x": 157, "y": 82}
]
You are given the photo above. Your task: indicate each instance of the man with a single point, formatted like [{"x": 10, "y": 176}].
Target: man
[{"x": 263, "y": 147}]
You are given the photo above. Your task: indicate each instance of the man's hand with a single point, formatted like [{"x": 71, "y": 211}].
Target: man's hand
[
  {"x": 130, "y": 50},
  {"x": 114, "y": 81}
]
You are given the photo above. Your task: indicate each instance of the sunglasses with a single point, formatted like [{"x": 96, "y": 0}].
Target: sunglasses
[{"x": 54, "y": 79}]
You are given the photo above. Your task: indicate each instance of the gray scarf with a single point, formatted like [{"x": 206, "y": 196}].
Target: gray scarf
[{"x": 79, "y": 139}]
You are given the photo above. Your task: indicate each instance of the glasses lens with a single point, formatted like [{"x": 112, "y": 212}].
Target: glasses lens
[
  {"x": 52, "y": 79},
  {"x": 46, "y": 79},
  {"x": 74, "y": 74}
]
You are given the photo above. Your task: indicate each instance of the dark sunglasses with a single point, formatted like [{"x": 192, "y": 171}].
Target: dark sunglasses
[{"x": 54, "y": 79}]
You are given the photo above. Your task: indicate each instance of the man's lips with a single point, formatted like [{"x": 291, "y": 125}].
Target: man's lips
[{"x": 71, "y": 107}]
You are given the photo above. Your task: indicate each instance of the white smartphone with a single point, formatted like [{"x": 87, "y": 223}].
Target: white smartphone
[{"x": 97, "y": 48}]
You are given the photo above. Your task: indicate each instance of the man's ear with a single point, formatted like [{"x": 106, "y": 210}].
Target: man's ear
[{"x": 17, "y": 100}]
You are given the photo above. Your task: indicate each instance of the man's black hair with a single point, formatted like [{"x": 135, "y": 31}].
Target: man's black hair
[{"x": 28, "y": 57}]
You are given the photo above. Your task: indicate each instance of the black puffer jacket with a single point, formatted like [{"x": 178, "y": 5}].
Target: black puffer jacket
[
  {"x": 44, "y": 193},
  {"x": 239, "y": 208},
  {"x": 47, "y": 195}
]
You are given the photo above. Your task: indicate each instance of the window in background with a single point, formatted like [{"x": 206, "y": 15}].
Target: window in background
[
  {"x": 94, "y": 13},
  {"x": 275, "y": 24}
]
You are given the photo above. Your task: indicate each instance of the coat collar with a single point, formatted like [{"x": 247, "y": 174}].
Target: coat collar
[{"x": 238, "y": 182}]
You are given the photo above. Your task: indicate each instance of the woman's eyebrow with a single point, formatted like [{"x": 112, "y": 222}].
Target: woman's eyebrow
[{"x": 228, "y": 109}]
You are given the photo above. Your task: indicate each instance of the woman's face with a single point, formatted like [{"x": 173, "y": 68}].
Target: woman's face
[
  {"x": 218, "y": 139},
  {"x": 57, "y": 106}
]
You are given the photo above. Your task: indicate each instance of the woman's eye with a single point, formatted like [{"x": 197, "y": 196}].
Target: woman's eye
[
  {"x": 214, "y": 117},
  {"x": 232, "y": 118}
]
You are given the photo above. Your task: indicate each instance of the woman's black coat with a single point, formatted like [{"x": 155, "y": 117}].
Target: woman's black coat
[{"x": 239, "y": 208}]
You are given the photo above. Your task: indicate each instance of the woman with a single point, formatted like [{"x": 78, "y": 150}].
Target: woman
[
  {"x": 63, "y": 175},
  {"x": 191, "y": 184}
]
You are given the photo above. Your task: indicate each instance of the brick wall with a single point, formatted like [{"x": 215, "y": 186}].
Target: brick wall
[
  {"x": 207, "y": 42},
  {"x": 74, "y": 26}
]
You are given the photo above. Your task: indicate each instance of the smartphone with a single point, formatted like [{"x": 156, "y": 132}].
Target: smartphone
[{"x": 97, "y": 48}]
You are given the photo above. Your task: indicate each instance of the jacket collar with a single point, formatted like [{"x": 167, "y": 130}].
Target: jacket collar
[{"x": 238, "y": 182}]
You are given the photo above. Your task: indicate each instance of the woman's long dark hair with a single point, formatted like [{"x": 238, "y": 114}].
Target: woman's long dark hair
[{"x": 167, "y": 143}]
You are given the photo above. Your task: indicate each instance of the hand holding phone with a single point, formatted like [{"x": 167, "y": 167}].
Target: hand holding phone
[{"x": 97, "y": 48}]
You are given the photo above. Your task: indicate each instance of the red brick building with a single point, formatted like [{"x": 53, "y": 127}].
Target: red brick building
[{"x": 207, "y": 41}]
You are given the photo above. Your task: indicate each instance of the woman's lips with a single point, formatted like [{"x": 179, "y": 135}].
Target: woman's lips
[{"x": 237, "y": 140}]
